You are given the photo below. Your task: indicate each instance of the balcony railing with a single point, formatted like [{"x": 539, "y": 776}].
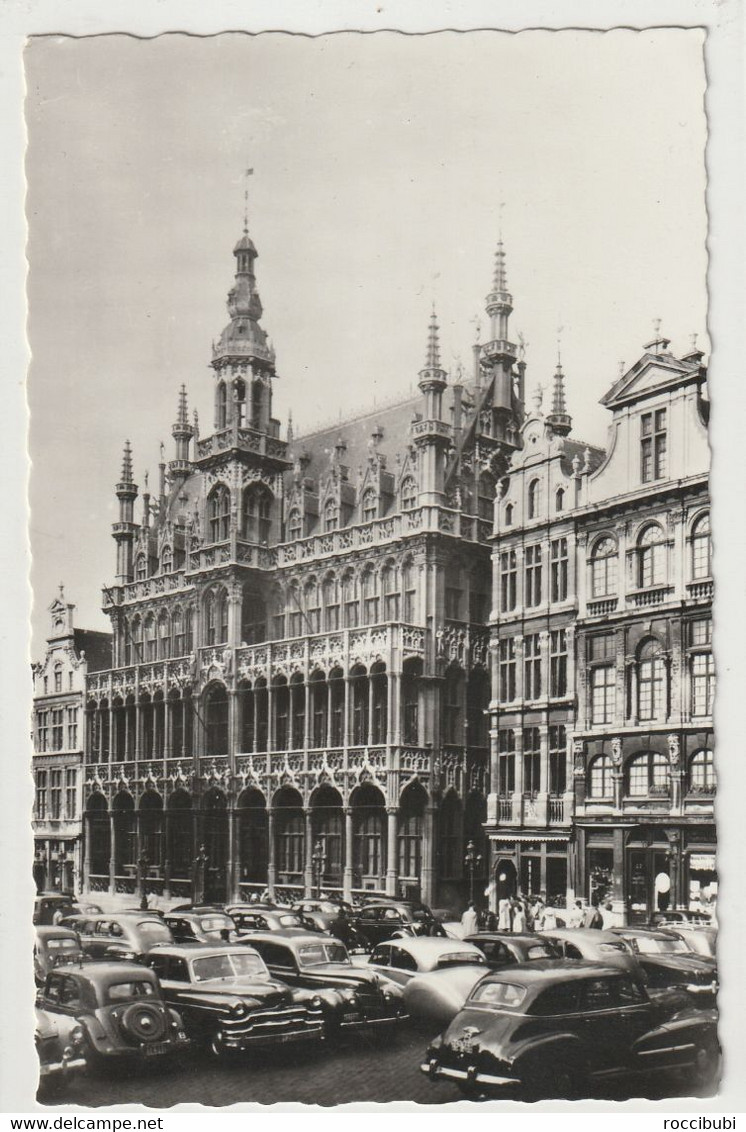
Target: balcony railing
[
  {"x": 700, "y": 590},
  {"x": 556, "y": 809},
  {"x": 653, "y": 596},
  {"x": 603, "y": 606}
]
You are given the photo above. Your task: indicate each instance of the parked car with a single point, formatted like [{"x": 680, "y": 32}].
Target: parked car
[
  {"x": 667, "y": 962},
  {"x": 270, "y": 920},
  {"x": 333, "y": 917},
  {"x": 54, "y": 947},
  {"x": 200, "y": 927},
  {"x": 699, "y": 940},
  {"x": 60, "y": 1047},
  {"x": 385, "y": 919},
  {"x": 399, "y": 960},
  {"x": 229, "y": 1000},
  {"x": 120, "y": 935},
  {"x": 675, "y": 916},
  {"x": 48, "y": 905},
  {"x": 501, "y": 949},
  {"x": 592, "y": 944},
  {"x": 352, "y": 997},
  {"x": 548, "y": 1028},
  {"x": 120, "y": 1009}
]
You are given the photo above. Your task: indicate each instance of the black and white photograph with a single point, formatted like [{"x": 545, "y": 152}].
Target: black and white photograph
[{"x": 372, "y": 662}]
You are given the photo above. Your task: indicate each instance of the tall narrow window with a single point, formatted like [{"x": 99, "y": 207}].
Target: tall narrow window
[
  {"x": 653, "y": 445},
  {"x": 506, "y": 762},
  {"x": 531, "y": 667},
  {"x": 167, "y": 560},
  {"x": 557, "y": 759},
  {"x": 409, "y": 595},
  {"x": 58, "y": 677},
  {"x": 558, "y": 662},
  {"x": 703, "y": 683},
  {"x": 508, "y": 577},
  {"x": 531, "y": 761},
  {"x": 222, "y": 406},
  {"x": 257, "y": 514},
  {"x": 141, "y": 567},
  {"x": 651, "y": 681},
  {"x": 330, "y": 598},
  {"x": 370, "y": 505},
  {"x": 604, "y": 560},
  {"x": 42, "y": 731},
  {"x": 55, "y": 794},
  {"x": 370, "y": 598},
  {"x": 533, "y": 575},
  {"x": 558, "y": 556},
  {"x": 390, "y": 587},
  {"x": 454, "y": 707},
  {"x": 600, "y": 778},
  {"x": 219, "y": 513},
  {"x": 41, "y": 794},
  {"x": 702, "y": 773},
  {"x": 71, "y": 797},
  {"x": 408, "y": 494},
  {"x": 506, "y": 666},
  {"x": 701, "y": 548},
  {"x": 651, "y": 557},
  {"x": 602, "y": 678},
  {"x": 331, "y": 515},
  {"x": 533, "y": 499},
  {"x": 294, "y": 525},
  {"x": 349, "y": 601}
]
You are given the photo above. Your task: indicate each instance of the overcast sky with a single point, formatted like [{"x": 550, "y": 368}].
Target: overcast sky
[{"x": 380, "y": 164}]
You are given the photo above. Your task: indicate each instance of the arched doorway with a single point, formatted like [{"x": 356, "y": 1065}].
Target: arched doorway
[
  {"x": 252, "y": 837},
  {"x": 216, "y": 720},
  {"x": 180, "y": 847},
  {"x": 368, "y": 837},
  {"x": 151, "y": 830},
  {"x": 124, "y": 835},
  {"x": 506, "y": 878},
  {"x": 328, "y": 830},
  {"x": 289, "y": 836},
  {"x": 215, "y": 840},
  {"x": 99, "y": 842},
  {"x": 411, "y": 833},
  {"x": 649, "y": 883}
]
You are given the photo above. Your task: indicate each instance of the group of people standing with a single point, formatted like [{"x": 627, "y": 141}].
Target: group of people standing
[{"x": 533, "y": 914}]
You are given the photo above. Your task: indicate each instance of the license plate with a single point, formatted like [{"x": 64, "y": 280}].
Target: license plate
[
  {"x": 157, "y": 1050},
  {"x": 464, "y": 1045}
]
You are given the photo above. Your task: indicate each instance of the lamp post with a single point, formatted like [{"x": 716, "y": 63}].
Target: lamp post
[
  {"x": 318, "y": 860},
  {"x": 61, "y": 862},
  {"x": 143, "y": 868},
  {"x": 472, "y": 860}
]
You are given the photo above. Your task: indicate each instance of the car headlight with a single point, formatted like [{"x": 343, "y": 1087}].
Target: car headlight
[
  {"x": 388, "y": 995},
  {"x": 238, "y": 1010},
  {"x": 316, "y": 1001},
  {"x": 77, "y": 1035}
]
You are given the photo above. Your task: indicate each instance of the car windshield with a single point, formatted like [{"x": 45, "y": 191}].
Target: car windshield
[
  {"x": 509, "y": 995},
  {"x": 231, "y": 965},
  {"x": 648, "y": 945},
  {"x": 290, "y": 921},
  {"x": 421, "y": 915},
  {"x": 460, "y": 958},
  {"x": 216, "y": 923},
  {"x": 619, "y": 946},
  {"x": 59, "y": 945},
  {"x": 326, "y": 907},
  {"x": 133, "y": 988},
  {"x": 314, "y": 955},
  {"x": 539, "y": 951},
  {"x": 154, "y": 931}
]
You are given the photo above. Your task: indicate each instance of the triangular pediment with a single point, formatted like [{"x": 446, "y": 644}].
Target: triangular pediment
[{"x": 653, "y": 373}]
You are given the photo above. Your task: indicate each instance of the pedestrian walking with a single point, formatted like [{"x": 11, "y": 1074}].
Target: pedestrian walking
[
  {"x": 470, "y": 920},
  {"x": 593, "y": 918},
  {"x": 519, "y": 917},
  {"x": 548, "y": 921},
  {"x": 576, "y": 916},
  {"x": 608, "y": 916},
  {"x": 504, "y": 921}
]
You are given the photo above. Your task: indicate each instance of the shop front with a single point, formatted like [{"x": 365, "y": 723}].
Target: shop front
[{"x": 528, "y": 866}]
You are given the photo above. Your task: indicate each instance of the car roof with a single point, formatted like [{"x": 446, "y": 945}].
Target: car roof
[
  {"x": 54, "y": 931},
  {"x": 519, "y": 937},
  {"x": 292, "y": 935},
  {"x": 588, "y": 935},
  {"x": 431, "y": 945},
  {"x": 553, "y": 971},
  {"x": 652, "y": 933},
  {"x": 196, "y": 949}
]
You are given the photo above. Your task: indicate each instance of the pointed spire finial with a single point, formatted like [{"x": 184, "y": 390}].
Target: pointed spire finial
[
  {"x": 290, "y": 426},
  {"x": 433, "y": 346},
  {"x": 559, "y": 345},
  {"x": 127, "y": 463},
  {"x": 145, "y": 480},
  {"x": 62, "y": 591},
  {"x": 248, "y": 173},
  {"x": 499, "y": 281},
  {"x": 182, "y": 412},
  {"x": 522, "y": 346},
  {"x": 196, "y": 424}
]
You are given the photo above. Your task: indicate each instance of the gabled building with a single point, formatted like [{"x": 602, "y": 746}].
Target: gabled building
[
  {"x": 59, "y": 741},
  {"x": 300, "y": 674}
]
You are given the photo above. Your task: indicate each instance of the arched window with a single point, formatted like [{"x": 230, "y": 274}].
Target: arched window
[
  {"x": 648, "y": 774},
  {"x": 370, "y": 598},
  {"x": 257, "y": 514},
  {"x": 312, "y": 605},
  {"x": 701, "y": 548},
  {"x": 141, "y": 567},
  {"x": 604, "y": 563},
  {"x": 331, "y": 515},
  {"x": 702, "y": 772},
  {"x": 409, "y": 591},
  {"x": 600, "y": 783},
  {"x": 330, "y": 601},
  {"x": 58, "y": 677},
  {"x": 350, "y": 608},
  {"x": 164, "y": 637},
  {"x": 221, "y": 406},
  {"x": 533, "y": 499},
  {"x": 652, "y": 697},
  {"x": 559, "y": 499},
  {"x": 219, "y": 513},
  {"x": 151, "y": 647},
  {"x": 408, "y": 494},
  {"x": 294, "y": 525},
  {"x": 390, "y": 589},
  {"x": 651, "y": 557},
  {"x": 216, "y": 618},
  {"x": 177, "y": 632},
  {"x": 485, "y": 497},
  {"x": 370, "y": 505},
  {"x": 411, "y": 828},
  {"x": 239, "y": 400},
  {"x": 509, "y": 515},
  {"x": 167, "y": 560},
  {"x": 216, "y": 720}
]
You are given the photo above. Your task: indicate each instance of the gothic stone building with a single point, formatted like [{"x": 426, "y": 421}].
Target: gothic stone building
[
  {"x": 300, "y": 683},
  {"x": 601, "y": 644},
  {"x": 59, "y": 741}
]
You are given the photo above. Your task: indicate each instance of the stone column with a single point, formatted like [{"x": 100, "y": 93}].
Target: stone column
[
  {"x": 271, "y": 867},
  {"x": 308, "y": 872},
  {"x": 428, "y": 856},
  {"x": 518, "y": 790},
  {"x": 86, "y": 879},
  {"x": 232, "y": 862},
  {"x": 112, "y": 853},
  {"x": 347, "y": 876},
  {"x": 617, "y": 882},
  {"x": 166, "y": 851},
  {"x": 392, "y": 870}
]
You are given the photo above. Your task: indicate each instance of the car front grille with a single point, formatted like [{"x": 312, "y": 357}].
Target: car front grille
[{"x": 273, "y": 1023}]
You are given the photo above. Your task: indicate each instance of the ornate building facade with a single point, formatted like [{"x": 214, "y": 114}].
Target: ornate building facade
[
  {"x": 59, "y": 725},
  {"x": 300, "y": 682},
  {"x": 603, "y": 780}
]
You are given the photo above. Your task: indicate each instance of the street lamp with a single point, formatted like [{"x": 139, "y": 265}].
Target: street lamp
[
  {"x": 318, "y": 860},
  {"x": 472, "y": 860},
  {"x": 143, "y": 868}
]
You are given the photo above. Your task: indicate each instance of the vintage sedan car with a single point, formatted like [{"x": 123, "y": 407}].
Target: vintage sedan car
[
  {"x": 54, "y": 947},
  {"x": 270, "y": 920},
  {"x": 60, "y": 1047},
  {"x": 589, "y": 943},
  {"x": 353, "y": 998},
  {"x": 699, "y": 940},
  {"x": 502, "y": 949},
  {"x": 119, "y": 935},
  {"x": 399, "y": 960},
  {"x": 334, "y": 918},
  {"x": 200, "y": 927},
  {"x": 229, "y": 1000},
  {"x": 547, "y": 1029},
  {"x": 120, "y": 1009},
  {"x": 673, "y": 917},
  {"x": 386, "y": 919},
  {"x": 667, "y": 962}
]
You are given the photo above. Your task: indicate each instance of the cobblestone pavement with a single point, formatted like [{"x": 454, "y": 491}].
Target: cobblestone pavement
[{"x": 381, "y": 1068}]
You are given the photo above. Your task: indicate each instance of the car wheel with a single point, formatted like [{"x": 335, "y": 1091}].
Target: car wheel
[
  {"x": 471, "y": 1091},
  {"x": 556, "y": 1082},
  {"x": 52, "y": 1086},
  {"x": 706, "y": 1064}
]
